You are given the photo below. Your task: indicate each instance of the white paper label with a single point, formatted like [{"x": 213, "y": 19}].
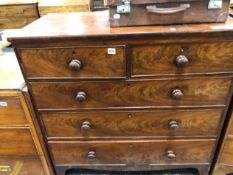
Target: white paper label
[
  {"x": 111, "y": 51},
  {"x": 116, "y": 16},
  {"x": 3, "y": 103}
]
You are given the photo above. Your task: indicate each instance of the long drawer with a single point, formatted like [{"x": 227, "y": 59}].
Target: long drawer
[
  {"x": 9, "y": 23},
  {"x": 143, "y": 124},
  {"x": 11, "y": 111},
  {"x": 77, "y": 62},
  {"x": 18, "y": 11},
  {"x": 152, "y": 93},
  {"x": 227, "y": 153},
  {"x": 20, "y": 165},
  {"x": 124, "y": 153},
  {"x": 200, "y": 58},
  {"x": 16, "y": 142}
]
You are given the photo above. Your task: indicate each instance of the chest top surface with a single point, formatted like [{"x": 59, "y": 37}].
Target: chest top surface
[
  {"x": 10, "y": 74},
  {"x": 92, "y": 24}
]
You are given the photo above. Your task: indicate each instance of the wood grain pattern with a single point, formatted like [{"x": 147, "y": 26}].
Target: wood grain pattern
[
  {"x": 16, "y": 141},
  {"x": 18, "y": 11},
  {"x": 44, "y": 10},
  {"x": 230, "y": 132},
  {"x": 130, "y": 124},
  {"x": 14, "y": 23},
  {"x": 222, "y": 169},
  {"x": 154, "y": 60},
  {"x": 22, "y": 165},
  {"x": 155, "y": 93},
  {"x": 227, "y": 152},
  {"x": 13, "y": 113},
  {"x": 96, "y": 62},
  {"x": 123, "y": 152}
]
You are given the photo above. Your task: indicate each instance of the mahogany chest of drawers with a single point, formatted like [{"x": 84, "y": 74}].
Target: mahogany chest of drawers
[
  {"x": 21, "y": 151},
  {"x": 145, "y": 98},
  {"x": 17, "y": 14}
]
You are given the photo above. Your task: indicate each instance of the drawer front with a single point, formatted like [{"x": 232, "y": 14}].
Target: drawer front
[
  {"x": 166, "y": 93},
  {"x": 11, "y": 111},
  {"x": 227, "y": 153},
  {"x": 18, "y": 11},
  {"x": 16, "y": 141},
  {"x": 19, "y": 165},
  {"x": 11, "y": 23},
  {"x": 127, "y": 124},
  {"x": 131, "y": 153},
  {"x": 231, "y": 125},
  {"x": 44, "y": 10},
  {"x": 171, "y": 59},
  {"x": 81, "y": 62}
]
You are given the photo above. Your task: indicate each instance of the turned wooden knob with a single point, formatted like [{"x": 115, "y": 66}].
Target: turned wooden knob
[
  {"x": 75, "y": 65},
  {"x": 86, "y": 125},
  {"x": 177, "y": 94},
  {"x": 171, "y": 155},
  {"x": 21, "y": 11},
  {"x": 81, "y": 96},
  {"x": 173, "y": 125},
  {"x": 182, "y": 61},
  {"x": 91, "y": 155}
]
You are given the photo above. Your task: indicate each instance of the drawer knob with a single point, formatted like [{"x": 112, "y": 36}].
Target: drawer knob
[
  {"x": 91, "y": 155},
  {"x": 173, "y": 125},
  {"x": 182, "y": 61},
  {"x": 86, "y": 125},
  {"x": 81, "y": 96},
  {"x": 21, "y": 11},
  {"x": 177, "y": 94},
  {"x": 171, "y": 155},
  {"x": 75, "y": 65}
]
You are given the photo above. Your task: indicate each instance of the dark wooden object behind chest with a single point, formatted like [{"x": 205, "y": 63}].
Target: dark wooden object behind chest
[
  {"x": 146, "y": 98},
  {"x": 156, "y": 12}
]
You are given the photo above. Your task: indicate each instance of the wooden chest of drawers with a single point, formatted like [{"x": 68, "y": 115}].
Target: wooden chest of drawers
[
  {"x": 224, "y": 162},
  {"x": 145, "y": 98},
  {"x": 21, "y": 151},
  {"x": 16, "y": 14}
]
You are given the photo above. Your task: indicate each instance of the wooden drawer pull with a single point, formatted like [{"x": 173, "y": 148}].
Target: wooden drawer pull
[
  {"x": 5, "y": 169},
  {"x": 182, "y": 61},
  {"x": 75, "y": 65},
  {"x": 173, "y": 125},
  {"x": 21, "y": 11},
  {"x": 177, "y": 94},
  {"x": 86, "y": 125},
  {"x": 171, "y": 155},
  {"x": 81, "y": 96},
  {"x": 91, "y": 155}
]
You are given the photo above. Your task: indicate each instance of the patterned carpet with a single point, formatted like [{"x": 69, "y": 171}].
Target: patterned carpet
[{"x": 98, "y": 172}]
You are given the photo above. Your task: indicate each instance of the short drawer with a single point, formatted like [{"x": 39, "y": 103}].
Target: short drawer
[
  {"x": 124, "y": 153},
  {"x": 152, "y": 93},
  {"x": 172, "y": 59},
  {"x": 77, "y": 62},
  {"x": 16, "y": 141},
  {"x": 20, "y": 165},
  {"x": 18, "y": 11},
  {"x": 227, "y": 152},
  {"x": 11, "y": 111},
  {"x": 146, "y": 124}
]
